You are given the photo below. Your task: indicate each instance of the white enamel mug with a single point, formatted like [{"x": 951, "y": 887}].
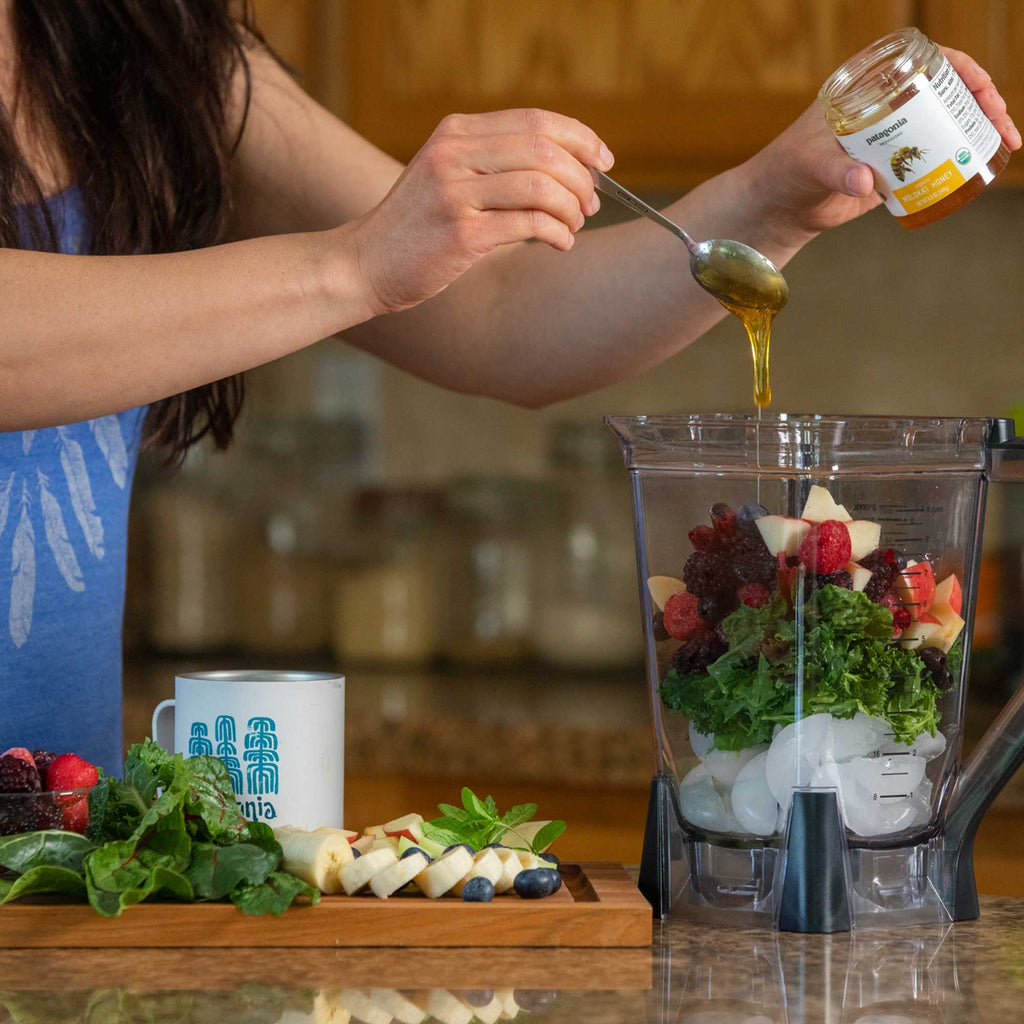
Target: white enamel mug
[{"x": 281, "y": 736}]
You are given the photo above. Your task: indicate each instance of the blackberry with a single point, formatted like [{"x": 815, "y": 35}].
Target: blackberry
[
  {"x": 17, "y": 776},
  {"x": 935, "y": 665},
  {"x": 752, "y": 562},
  {"x": 884, "y": 569},
  {"x": 708, "y": 572},
  {"x": 839, "y": 578},
  {"x": 698, "y": 652},
  {"x": 12, "y": 818},
  {"x": 46, "y": 814},
  {"x": 43, "y": 760},
  {"x": 712, "y": 608}
]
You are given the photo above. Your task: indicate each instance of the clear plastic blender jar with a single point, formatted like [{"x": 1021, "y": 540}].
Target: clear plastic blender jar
[{"x": 808, "y": 586}]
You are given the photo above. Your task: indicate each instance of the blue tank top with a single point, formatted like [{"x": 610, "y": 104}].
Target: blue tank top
[{"x": 64, "y": 494}]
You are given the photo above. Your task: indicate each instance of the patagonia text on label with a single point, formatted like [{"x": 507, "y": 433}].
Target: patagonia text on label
[{"x": 884, "y": 133}]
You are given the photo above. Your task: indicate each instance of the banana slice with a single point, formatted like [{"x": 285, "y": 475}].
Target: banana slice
[
  {"x": 315, "y": 857},
  {"x": 357, "y": 873},
  {"x": 403, "y": 1010},
  {"x": 437, "y": 878},
  {"x": 485, "y": 865},
  {"x": 393, "y": 877},
  {"x": 530, "y": 860},
  {"x": 490, "y": 1012},
  {"x": 509, "y": 1007},
  {"x": 362, "y": 1006},
  {"x": 510, "y": 867},
  {"x": 329, "y": 1009},
  {"x": 446, "y": 1008}
]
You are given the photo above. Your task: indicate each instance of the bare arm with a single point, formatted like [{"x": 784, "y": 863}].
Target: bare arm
[{"x": 528, "y": 323}]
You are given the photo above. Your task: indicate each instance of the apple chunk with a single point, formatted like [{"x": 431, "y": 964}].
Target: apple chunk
[
  {"x": 821, "y": 506},
  {"x": 859, "y": 575},
  {"x": 408, "y": 825},
  {"x": 950, "y": 626},
  {"x": 782, "y": 533},
  {"x": 864, "y": 538},
  {"x": 915, "y": 586},
  {"x": 920, "y": 633},
  {"x": 949, "y": 592}
]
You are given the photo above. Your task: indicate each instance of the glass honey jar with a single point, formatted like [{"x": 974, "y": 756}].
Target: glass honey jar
[{"x": 900, "y": 107}]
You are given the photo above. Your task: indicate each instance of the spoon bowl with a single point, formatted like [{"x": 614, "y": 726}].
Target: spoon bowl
[{"x": 734, "y": 273}]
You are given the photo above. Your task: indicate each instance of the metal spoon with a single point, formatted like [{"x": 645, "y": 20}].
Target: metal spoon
[{"x": 735, "y": 274}]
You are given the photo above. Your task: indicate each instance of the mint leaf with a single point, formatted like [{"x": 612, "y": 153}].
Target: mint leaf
[
  {"x": 274, "y": 896},
  {"x": 491, "y": 806},
  {"x": 445, "y": 836},
  {"x": 31, "y": 850},
  {"x": 450, "y": 811},
  {"x": 518, "y": 814},
  {"x": 547, "y": 835},
  {"x": 44, "y": 878},
  {"x": 473, "y": 803}
]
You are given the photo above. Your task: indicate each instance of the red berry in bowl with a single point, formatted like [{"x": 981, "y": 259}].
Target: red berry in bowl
[
  {"x": 18, "y": 775},
  {"x": 826, "y": 548},
  {"x": 23, "y": 754},
  {"x": 69, "y": 771}
]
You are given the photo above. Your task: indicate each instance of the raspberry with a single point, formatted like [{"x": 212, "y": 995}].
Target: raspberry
[
  {"x": 680, "y": 616},
  {"x": 752, "y": 562},
  {"x": 698, "y": 652},
  {"x": 754, "y": 594},
  {"x": 18, "y": 776},
  {"x": 725, "y": 522},
  {"x": 703, "y": 538},
  {"x": 826, "y": 547},
  {"x": 708, "y": 572}
]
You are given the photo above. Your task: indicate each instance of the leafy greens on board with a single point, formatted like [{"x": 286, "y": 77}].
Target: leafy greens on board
[
  {"x": 171, "y": 827},
  {"x": 478, "y": 823},
  {"x": 850, "y": 665}
]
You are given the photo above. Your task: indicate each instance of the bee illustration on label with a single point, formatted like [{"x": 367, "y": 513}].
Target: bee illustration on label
[{"x": 900, "y": 160}]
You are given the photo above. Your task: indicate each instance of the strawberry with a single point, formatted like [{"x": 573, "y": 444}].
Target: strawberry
[
  {"x": 69, "y": 771},
  {"x": 826, "y": 548},
  {"x": 754, "y": 594},
  {"x": 22, "y": 753},
  {"x": 681, "y": 618}
]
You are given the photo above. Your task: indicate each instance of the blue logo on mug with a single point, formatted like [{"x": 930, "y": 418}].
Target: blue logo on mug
[
  {"x": 261, "y": 756},
  {"x": 198, "y": 741},
  {"x": 224, "y": 730}
]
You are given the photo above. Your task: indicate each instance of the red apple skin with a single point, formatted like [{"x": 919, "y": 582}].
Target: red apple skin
[
  {"x": 916, "y": 588},
  {"x": 413, "y": 833},
  {"x": 955, "y": 597}
]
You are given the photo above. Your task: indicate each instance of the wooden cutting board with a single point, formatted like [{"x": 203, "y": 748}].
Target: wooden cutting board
[{"x": 598, "y": 905}]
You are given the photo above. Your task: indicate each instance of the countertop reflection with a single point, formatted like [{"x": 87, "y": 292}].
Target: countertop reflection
[{"x": 971, "y": 972}]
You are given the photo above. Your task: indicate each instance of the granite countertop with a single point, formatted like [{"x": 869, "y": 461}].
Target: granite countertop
[{"x": 972, "y": 973}]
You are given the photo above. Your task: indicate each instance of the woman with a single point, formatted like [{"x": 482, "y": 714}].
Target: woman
[{"x": 229, "y": 220}]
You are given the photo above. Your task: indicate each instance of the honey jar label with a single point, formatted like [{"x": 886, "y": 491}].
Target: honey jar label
[{"x": 925, "y": 148}]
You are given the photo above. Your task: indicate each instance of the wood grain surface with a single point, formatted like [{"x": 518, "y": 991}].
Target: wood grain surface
[{"x": 598, "y": 905}]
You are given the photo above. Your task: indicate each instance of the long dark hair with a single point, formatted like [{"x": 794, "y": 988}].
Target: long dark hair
[{"x": 137, "y": 96}]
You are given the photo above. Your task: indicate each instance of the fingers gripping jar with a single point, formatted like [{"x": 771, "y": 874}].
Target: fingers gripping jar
[{"x": 900, "y": 107}]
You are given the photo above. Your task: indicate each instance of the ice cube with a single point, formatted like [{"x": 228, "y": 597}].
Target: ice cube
[
  {"x": 700, "y": 742},
  {"x": 702, "y": 805},
  {"x": 725, "y": 765},
  {"x": 752, "y": 801},
  {"x": 925, "y": 746},
  {"x": 854, "y": 737},
  {"x": 876, "y": 792},
  {"x": 794, "y": 755}
]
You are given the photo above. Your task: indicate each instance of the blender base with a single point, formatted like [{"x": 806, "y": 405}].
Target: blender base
[{"x": 812, "y": 881}]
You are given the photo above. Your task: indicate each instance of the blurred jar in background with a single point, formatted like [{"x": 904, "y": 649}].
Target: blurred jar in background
[
  {"x": 386, "y": 601},
  {"x": 489, "y": 526},
  {"x": 188, "y": 535},
  {"x": 585, "y": 613},
  {"x": 298, "y": 474}
]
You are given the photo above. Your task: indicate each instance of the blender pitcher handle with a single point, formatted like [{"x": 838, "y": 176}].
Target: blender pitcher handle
[
  {"x": 992, "y": 764},
  {"x": 1006, "y": 452}
]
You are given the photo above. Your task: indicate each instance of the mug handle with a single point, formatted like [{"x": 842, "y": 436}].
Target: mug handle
[{"x": 167, "y": 742}]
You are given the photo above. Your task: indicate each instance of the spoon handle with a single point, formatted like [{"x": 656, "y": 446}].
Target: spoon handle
[{"x": 612, "y": 188}]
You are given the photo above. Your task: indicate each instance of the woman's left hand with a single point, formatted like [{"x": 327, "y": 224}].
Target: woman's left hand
[{"x": 807, "y": 182}]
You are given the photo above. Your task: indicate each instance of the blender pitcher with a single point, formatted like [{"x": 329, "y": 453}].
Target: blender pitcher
[{"x": 808, "y": 587}]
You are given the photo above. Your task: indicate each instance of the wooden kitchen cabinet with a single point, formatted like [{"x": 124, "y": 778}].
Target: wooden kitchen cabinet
[
  {"x": 680, "y": 89},
  {"x": 992, "y": 31}
]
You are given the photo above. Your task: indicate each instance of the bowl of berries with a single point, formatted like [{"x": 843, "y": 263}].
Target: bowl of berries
[{"x": 40, "y": 790}]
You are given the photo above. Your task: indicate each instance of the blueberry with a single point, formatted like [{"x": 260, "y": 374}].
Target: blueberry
[
  {"x": 550, "y": 858},
  {"x": 536, "y": 883},
  {"x": 455, "y": 846},
  {"x": 356, "y": 853},
  {"x": 534, "y": 1000},
  {"x": 415, "y": 851},
  {"x": 478, "y": 890},
  {"x": 495, "y": 846},
  {"x": 477, "y": 996},
  {"x": 746, "y": 514}
]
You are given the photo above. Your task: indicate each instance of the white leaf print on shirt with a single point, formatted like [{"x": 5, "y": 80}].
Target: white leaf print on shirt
[
  {"x": 77, "y": 476},
  {"x": 23, "y": 570},
  {"x": 57, "y": 536},
  {"x": 5, "y": 501},
  {"x": 27, "y": 437},
  {"x": 107, "y": 431}
]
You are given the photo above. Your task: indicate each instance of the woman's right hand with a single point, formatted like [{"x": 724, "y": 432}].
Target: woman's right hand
[{"x": 479, "y": 182}]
